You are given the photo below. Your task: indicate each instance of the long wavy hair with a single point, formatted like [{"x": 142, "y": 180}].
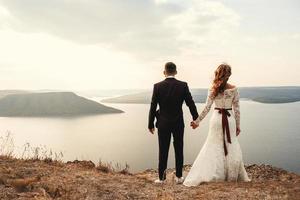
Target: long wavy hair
[{"x": 222, "y": 74}]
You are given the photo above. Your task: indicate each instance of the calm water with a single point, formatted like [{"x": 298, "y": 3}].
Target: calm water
[{"x": 270, "y": 134}]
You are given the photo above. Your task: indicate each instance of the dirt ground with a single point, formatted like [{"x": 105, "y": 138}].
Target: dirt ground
[{"x": 47, "y": 179}]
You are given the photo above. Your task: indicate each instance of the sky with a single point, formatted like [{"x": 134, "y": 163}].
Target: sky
[{"x": 117, "y": 44}]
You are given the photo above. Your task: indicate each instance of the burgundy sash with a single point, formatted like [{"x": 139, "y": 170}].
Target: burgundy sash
[{"x": 225, "y": 125}]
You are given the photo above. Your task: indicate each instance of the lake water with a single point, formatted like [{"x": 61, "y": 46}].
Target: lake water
[{"x": 270, "y": 135}]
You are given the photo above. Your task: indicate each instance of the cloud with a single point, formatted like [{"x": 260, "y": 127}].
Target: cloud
[{"x": 148, "y": 29}]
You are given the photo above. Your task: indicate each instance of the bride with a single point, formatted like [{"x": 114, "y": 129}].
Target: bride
[{"x": 220, "y": 157}]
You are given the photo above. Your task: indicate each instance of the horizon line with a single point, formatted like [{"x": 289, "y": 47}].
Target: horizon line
[{"x": 261, "y": 86}]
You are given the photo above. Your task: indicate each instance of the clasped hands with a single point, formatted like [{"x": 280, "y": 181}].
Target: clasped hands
[{"x": 194, "y": 124}]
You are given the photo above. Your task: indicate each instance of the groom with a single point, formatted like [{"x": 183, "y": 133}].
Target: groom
[{"x": 170, "y": 94}]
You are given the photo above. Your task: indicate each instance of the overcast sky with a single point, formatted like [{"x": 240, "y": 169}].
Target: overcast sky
[{"x": 106, "y": 44}]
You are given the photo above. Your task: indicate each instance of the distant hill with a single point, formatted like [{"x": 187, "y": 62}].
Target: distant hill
[
  {"x": 259, "y": 94},
  {"x": 51, "y": 104},
  {"x": 108, "y": 92},
  {"x": 4, "y": 93}
]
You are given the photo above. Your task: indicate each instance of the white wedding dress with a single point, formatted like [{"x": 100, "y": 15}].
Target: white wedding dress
[{"x": 211, "y": 163}]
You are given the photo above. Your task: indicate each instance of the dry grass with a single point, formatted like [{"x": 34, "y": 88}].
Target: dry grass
[
  {"x": 30, "y": 179},
  {"x": 109, "y": 167},
  {"x": 28, "y": 152},
  {"x": 7, "y": 145},
  {"x": 43, "y": 153},
  {"x": 37, "y": 175}
]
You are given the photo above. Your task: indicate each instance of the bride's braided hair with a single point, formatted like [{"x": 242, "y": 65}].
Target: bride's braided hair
[{"x": 222, "y": 74}]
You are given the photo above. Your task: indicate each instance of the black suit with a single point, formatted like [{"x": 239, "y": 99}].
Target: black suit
[{"x": 170, "y": 95}]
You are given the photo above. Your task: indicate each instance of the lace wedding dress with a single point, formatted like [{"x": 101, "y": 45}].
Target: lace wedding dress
[{"x": 220, "y": 158}]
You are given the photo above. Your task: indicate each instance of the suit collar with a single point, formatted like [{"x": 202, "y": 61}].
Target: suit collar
[
  {"x": 167, "y": 79},
  {"x": 170, "y": 77}
]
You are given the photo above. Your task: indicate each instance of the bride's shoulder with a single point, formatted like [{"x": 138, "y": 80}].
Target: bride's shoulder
[
  {"x": 231, "y": 86},
  {"x": 232, "y": 89}
]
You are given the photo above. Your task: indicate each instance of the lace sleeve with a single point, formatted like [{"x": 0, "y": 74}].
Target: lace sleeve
[
  {"x": 236, "y": 108},
  {"x": 209, "y": 102}
]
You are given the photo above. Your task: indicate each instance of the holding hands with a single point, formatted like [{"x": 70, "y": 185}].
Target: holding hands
[
  {"x": 152, "y": 130},
  {"x": 194, "y": 124}
]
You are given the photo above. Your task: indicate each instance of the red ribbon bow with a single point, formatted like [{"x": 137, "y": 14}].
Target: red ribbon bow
[{"x": 225, "y": 126}]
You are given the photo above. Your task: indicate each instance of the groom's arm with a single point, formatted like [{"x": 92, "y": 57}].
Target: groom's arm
[
  {"x": 190, "y": 102},
  {"x": 153, "y": 107}
]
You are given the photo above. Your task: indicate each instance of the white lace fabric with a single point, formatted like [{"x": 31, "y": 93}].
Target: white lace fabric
[{"x": 229, "y": 99}]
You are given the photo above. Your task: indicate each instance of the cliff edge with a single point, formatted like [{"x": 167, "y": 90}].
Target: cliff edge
[{"x": 47, "y": 179}]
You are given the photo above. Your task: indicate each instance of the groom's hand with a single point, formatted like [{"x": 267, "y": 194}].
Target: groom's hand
[
  {"x": 194, "y": 125},
  {"x": 151, "y": 130},
  {"x": 238, "y": 131}
]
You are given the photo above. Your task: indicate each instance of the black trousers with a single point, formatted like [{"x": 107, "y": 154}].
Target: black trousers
[{"x": 164, "y": 139}]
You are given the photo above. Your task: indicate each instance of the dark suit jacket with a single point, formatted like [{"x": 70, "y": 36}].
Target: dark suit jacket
[{"x": 170, "y": 95}]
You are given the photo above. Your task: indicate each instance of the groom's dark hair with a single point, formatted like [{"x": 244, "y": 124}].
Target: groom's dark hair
[{"x": 170, "y": 68}]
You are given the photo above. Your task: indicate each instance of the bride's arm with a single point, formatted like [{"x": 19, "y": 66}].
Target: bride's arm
[
  {"x": 236, "y": 108},
  {"x": 209, "y": 102}
]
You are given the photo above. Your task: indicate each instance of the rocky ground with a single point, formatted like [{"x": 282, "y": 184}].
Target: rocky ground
[{"x": 47, "y": 179}]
